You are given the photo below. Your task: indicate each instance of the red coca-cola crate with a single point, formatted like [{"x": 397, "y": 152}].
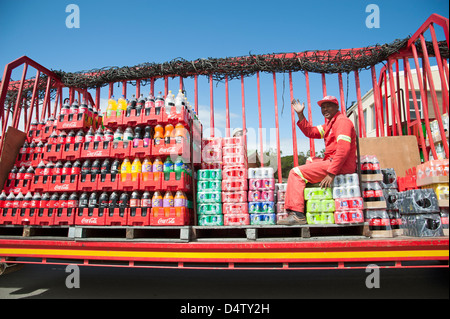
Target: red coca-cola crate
[
  {"x": 172, "y": 148},
  {"x": 174, "y": 118},
  {"x": 73, "y": 121},
  {"x": 52, "y": 152},
  {"x": 236, "y": 219},
  {"x": 65, "y": 216},
  {"x": 116, "y": 216},
  {"x": 8, "y": 215},
  {"x": 19, "y": 186},
  {"x": 169, "y": 216},
  {"x": 62, "y": 183},
  {"x": 26, "y": 216},
  {"x": 90, "y": 217},
  {"x": 172, "y": 184},
  {"x": 152, "y": 118},
  {"x": 119, "y": 149},
  {"x": 112, "y": 121},
  {"x": 96, "y": 149},
  {"x": 128, "y": 183},
  {"x": 132, "y": 119},
  {"x": 45, "y": 216},
  {"x": 109, "y": 182},
  {"x": 140, "y": 150},
  {"x": 139, "y": 216},
  {"x": 89, "y": 183},
  {"x": 235, "y": 208},
  {"x": 152, "y": 183},
  {"x": 39, "y": 183},
  {"x": 71, "y": 151}
]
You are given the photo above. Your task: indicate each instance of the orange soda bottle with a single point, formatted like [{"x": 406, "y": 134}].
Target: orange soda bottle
[
  {"x": 136, "y": 169},
  {"x": 159, "y": 134},
  {"x": 157, "y": 200},
  {"x": 180, "y": 199},
  {"x": 157, "y": 167},
  {"x": 168, "y": 133},
  {"x": 147, "y": 169},
  {"x": 180, "y": 133},
  {"x": 125, "y": 169},
  {"x": 168, "y": 199}
]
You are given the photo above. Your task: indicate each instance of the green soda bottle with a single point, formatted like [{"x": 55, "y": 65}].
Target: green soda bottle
[
  {"x": 179, "y": 167},
  {"x": 167, "y": 168}
]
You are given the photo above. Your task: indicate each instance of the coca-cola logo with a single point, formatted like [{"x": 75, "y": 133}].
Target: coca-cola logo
[
  {"x": 95, "y": 153},
  {"x": 62, "y": 187},
  {"x": 92, "y": 220},
  {"x": 164, "y": 221},
  {"x": 69, "y": 125}
]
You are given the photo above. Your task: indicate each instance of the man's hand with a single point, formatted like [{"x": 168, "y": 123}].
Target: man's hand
[
  {"x": 327, "y": 181},
  {"x": 298, "y": 108}
]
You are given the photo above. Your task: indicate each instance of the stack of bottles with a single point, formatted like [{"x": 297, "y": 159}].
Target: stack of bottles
[
  {"x": 261, "y": 196},
  {"x": 234, "y": 181},
  {"x": 375, "y": 212},
  {"x": 280, "y": 195},
  {"x": 437, "y": 138},
  {"x": 209, "y": 197},
  {"x": 347, "y": 198},
  {"x": 389, "y": 186},
  {"x": 319, "y": 205}
]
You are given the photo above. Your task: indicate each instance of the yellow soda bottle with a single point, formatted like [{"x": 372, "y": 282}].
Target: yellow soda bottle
[
  {"x": 125, "y": 169},
  {"x": 112, "y": 106},
  {"x": 121, "y": 106},
  {"x": 136, "y": 169}
]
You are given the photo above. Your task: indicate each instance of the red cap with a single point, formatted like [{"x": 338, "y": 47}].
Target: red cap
[{"x": 330, "y": 99}]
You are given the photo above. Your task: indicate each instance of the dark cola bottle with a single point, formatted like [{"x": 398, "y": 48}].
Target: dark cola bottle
[
  {"x": 57, "y": 171},
  {"x": 93, "y": 203},
  {"x": 115, "y": 169},
  {"x": 62, "y": 136},
  {"x": 72, "y": 203},
  {"x": 35, "y": 203},
  {"x": 79, "y": 140},
  {"x": 54, "y": 204},
  {"x": 103, "y": 203},
  {"x": 95, "y": 169},
  {"x": 140, "y": 105},
  {"x": 131, "y": 106},
  {"x": 135, "y": 202},
  {"x": 113, "y": 202},
  {"x": 70, "y": 139},
  {"x": 123, "y": 203},
  {"x": 85, "y": 170},
  {"x": 63, "y": 202},
  {"x": 88, "y": 138},
  {"x": 105, "y": 169},
  {"x": 44, "y": 203},
  {"x": 65, "y": 171},
  {"x": 83, "y": 203},
  {"x": 146, "y": 203},
  {"x": 76, "y": 170}
]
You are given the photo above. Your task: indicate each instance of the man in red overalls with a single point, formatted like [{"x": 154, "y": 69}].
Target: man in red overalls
[{"x": 339, "y": 158}]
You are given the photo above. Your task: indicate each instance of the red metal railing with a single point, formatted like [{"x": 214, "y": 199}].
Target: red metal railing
[{"x": 393, "y": 123}]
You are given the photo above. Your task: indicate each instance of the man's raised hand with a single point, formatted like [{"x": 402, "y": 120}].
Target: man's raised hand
[{"x": 298, "y": 107}]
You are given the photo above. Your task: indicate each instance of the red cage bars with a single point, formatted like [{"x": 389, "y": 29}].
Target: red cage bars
[{"x": 389, "y": 118}]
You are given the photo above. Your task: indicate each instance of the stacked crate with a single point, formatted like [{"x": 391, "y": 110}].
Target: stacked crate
[
  {"x": 348, "y": 201},
  {"x": 261, "y": 196},
  {"x": 209, "y": 197},
  {"x": 389, "y": 186},
  {"x": 280, "y": 195},
  {"x": 319, "y": 205},
  {"x": 234, "y": 182}
]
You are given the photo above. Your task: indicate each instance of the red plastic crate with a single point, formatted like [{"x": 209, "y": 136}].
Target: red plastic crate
[
  {"x": 51, "y": 153},
  {"x": 152, "y": 118},
  {"x": 89, "y": 184},
  {"x": 141, "y": 151},
  {"x": 26, "y": 216},
  {"x": 8, "y": 215},
  {"x": 128, "y": 184},
  {"x": 133, "y": 119},
  {"x": 172, "y": 148},
  {"x": 109, "y": 184},
  {"x": 172, "y": 184},
  {"x": 19, "y": 186},
  {"x": 174, "y": 118},
  {"x": 139, "y": 216},
  {"x": 153, "y": 183},
  {"x": 119, "y": 149},
  {"x": 73, "y": 121},
  {"x": 71, "y": 151},
  {"x": 59, "y": 183},
  {"x": 112, "y": 121},
  {"x": 96, "y": 150},
  {"x": 169, "y": 216},
  {"x": 90, "y": 217},
  {"x": 65, "y": 216},
  {"x": 116, "y": 216},
  {"x": 45, "y": 216},
  {"x": 37, "y": 183}
]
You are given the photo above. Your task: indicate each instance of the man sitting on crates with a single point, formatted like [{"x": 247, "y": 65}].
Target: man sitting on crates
[{"x": 339, "y": 158}]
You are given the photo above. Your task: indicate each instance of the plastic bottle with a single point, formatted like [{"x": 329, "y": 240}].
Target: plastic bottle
[
  {"x": 147, "y": 169},
  {"x": 168, "y": 199},
  {"x": 179, "y": 101},
  {"x": 140, "y": 105},
  {"x": 123, "y": 202},
  {"x": 99, "y": 137},
  {"x": 136, "y": 169},
  {"x": 169, "y": 102},
  {"x": 137, "y": 136},
  {"x": 149, "y": 103},
  {"x": 131, "y": 105},
  {"x": 128, "y": 135},
  {"x": 167, "y": 168},
  {"x": 159, "y": 134},
  {"x": 112, "y": 107},
  {"x": 95, "y": 169},
  {"x": 105, "y": 169},
  {"x": 157, "y": 168},
  {"x": 157, "y": 200},
  {"x": 146, "y": 200},
  {"x": 74, "y": 107},
  {"x": 168, "y": 133},
  {"x": 89, "y": 137},
  {"x": 108, "y": 135},
  {"x": 147, "y": 135},
  {"x": 159, "y": 103},
  {"x": 125, "y": 169},
  {"x": 103, "y": 203},
  {"x": 115, "y": 169},
  {"x": 121, "y": 106},
  {"x": 178, "y": 167},
  {"x": 65, "y": 109},
  {"x": 180, "y": 133},
  {"x": 113, "y": 201},
  {"x": 180, "y": 199},
  {"x": 118, "y": 134}
]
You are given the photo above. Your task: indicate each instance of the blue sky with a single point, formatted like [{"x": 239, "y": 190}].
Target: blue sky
[{"x": 120, "y": 33}]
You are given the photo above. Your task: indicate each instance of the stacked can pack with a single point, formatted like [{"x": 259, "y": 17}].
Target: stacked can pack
[
  {"x": 261, "y": 196},
  {"x": 235, "y": 181},
  {"x": 319, "y": 205},
  {"x": 212, "y": 153},
  {"x": 347, "y": 199},
  {"x": 209, "y": 197},
  {"x": 390, "y": 190},
  {"x": 375, "y": 213},
  {"x": 280, "y": 195}
]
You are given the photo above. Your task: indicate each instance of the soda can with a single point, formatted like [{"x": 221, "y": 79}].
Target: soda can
[
  {"x": 352, "y": 179},
  {"x": 353, "y": 191},
  {"x": 341, "y": 217},
  {"x": 339, "y": 180}
]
